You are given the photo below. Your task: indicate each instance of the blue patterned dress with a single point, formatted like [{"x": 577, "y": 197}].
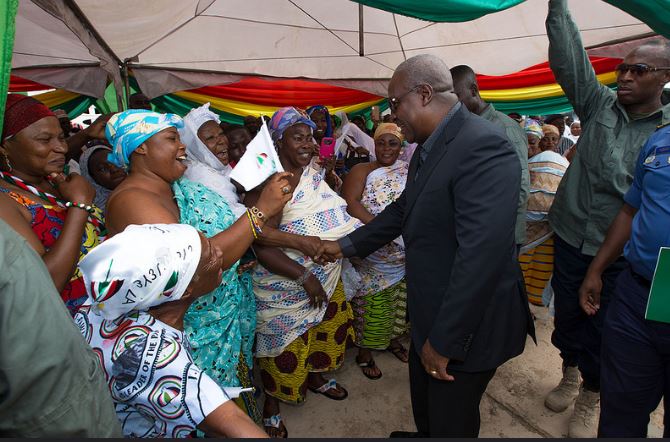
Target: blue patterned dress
[{"x": 220, "y": 325}]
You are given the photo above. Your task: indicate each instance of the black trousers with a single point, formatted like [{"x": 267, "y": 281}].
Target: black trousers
[
  {"x": 635, "y": 368},
  {"x": 577, "y": 335},
  {"x": 442, "y": 408}
]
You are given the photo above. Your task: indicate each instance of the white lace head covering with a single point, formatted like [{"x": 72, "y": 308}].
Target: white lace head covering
[{"x": 196, "y": 149}]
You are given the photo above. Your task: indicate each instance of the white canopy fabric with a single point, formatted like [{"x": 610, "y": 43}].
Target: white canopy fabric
[{"x": 179, "y": 44}]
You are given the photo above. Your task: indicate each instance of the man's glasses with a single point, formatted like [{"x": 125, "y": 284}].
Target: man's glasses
[
  {"x": 394, "y": 102},
  {"x": 638, "y": 69}
]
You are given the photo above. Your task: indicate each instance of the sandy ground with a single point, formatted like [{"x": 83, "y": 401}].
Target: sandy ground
[{"x": 512, "y": 405}]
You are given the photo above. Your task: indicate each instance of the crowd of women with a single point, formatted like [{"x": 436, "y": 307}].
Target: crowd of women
[{"x": 271, "y": 305}]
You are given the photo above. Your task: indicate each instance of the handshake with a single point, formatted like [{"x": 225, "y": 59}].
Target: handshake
[{"x": 320, "y": 251}]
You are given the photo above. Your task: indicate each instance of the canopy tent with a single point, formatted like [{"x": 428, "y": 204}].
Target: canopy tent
[{"x": 176, "y": 45}]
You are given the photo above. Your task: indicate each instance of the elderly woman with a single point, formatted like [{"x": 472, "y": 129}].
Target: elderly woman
[
  {"x": 134, "y": 322},
  {"x": 534, "y": 133},
  {"x": 103, "y": 175},
  {"x": 207, "y": 155},
  {"x": 537, "y": 255},
  {"x": 550, "y": 138},
  {"x": 303, "y": 318},
  {"x": 52, "y": 211},
  {"x": 220, "y": 325},
  {"x": 379, "y": 308}
]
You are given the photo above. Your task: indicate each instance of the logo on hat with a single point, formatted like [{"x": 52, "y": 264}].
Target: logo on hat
[
  {"x": 103, "y": 290},
  {"x": 172, "y": 282}
]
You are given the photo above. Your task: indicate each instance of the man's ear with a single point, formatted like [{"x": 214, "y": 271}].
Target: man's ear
[{"x": 474, "y": 90}]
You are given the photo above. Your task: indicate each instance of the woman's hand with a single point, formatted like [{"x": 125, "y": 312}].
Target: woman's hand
[
  {"x": 275, "y": 194},
  {"x": 314, "y": 289},
  {"x": 73, "y": 187},
  {"x": 310, "y": 245}
]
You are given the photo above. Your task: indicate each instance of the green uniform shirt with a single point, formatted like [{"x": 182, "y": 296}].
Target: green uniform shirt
[
  {"x": 519, "y": 140},
  {"x": 591, "y": 192},
  {"x": 51, "y": 383}
]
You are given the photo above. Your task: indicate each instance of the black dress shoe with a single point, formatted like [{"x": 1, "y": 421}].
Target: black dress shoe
[{"x": 395, "y": 434}]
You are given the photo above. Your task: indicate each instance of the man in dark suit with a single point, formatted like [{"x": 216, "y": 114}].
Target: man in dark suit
[{"x": 466, "y": 299}]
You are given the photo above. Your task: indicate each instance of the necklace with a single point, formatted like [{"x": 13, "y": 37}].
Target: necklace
[{"x": 93, "y": 218}]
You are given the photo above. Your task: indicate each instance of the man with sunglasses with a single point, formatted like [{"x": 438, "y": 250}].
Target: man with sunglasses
[
  {"x": 465, "y": 296},
  {"x": 615, "y": 125}
]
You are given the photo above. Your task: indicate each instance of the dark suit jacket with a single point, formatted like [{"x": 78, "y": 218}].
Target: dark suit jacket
[{"x": 464, "y": 284}]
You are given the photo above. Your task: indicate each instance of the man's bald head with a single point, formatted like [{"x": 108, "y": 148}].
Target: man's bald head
[
  {"x": 421, "y": 94},
  {"x": 426, "y": 69},
  {"x": 657, "y": 51},
  {"x": 467, "y": 89}
]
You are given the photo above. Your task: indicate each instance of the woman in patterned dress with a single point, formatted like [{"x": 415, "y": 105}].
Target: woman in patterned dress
[
  {"x": 36, "y": 196},
  {"x": 303, "y": 318},
  {"x": 380, "y": 306},
  {"x": 220, "y": 325}
]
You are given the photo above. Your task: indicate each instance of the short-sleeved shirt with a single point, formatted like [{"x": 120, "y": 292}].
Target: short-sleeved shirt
[
  {"x": 157, "y": 389},
  {"x": 650, "y": 194}
]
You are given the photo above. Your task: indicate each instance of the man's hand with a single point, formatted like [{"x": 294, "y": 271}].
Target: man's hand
[
  {"x": 589, "y": 293},
  {"x": 434, "y": 363},
  {"x": 330, "y": 252},
  {"x": 97, "y": 129}
]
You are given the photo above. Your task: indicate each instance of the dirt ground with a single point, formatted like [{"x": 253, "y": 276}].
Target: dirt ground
[{"x": 512, "y": 405}]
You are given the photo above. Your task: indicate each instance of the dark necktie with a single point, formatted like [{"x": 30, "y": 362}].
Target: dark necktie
[{"x": 419, "y": 163}]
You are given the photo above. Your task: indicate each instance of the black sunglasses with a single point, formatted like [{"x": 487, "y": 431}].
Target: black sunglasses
[{"x": 638, "y": 69}]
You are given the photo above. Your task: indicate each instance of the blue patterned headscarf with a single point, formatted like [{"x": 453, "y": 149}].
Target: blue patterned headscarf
[
  {"x": 125, "y": 131},
  {"x": 285, "y": 118},
  {"x": 329, "y": 123}
]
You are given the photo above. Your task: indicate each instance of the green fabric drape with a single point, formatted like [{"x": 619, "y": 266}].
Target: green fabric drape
[
  {"x": 654, "y": 13},
  {"x": 442, "y": 10},
  {"x": 7, "y": 23}
]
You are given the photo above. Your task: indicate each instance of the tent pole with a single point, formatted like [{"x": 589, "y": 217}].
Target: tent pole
[
  {"x": 125, "y": 82},
  {"x": 361, "y": 44}
]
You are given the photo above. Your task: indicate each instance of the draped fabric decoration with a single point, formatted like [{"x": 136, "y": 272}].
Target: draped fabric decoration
[
  {"x": 255, "y": 96},
  {"x": 655, "y": 13},
  {"x": 7, "y": 23},
  {"x": 532, "y": 91}
]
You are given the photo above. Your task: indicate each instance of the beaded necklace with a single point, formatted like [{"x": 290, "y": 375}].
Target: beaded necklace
[{"x": 93, "y": 218}]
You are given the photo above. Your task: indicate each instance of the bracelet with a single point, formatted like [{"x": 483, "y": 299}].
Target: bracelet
[
  {"x": 81, "y": 206},
  {"x": 302, "y": 278},
  {"x": 255, "y": 211},
  {"x": 253, "y": 226}
]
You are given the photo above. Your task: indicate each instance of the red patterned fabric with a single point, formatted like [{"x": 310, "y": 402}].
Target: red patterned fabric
[{"x": 47, "y": 223}]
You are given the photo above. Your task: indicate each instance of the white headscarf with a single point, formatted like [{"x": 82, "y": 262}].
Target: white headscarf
[
  {"x": 141, "y": 267},
  {"x": 202, "y": 165},
  {"x": 195, "y": 148}
]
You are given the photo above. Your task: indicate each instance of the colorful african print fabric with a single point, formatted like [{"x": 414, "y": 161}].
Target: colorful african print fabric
[
  {"x": 282, "y": 306},
  {"x": 386, "y": 266},
  {"x": 380, "y": 317},
  {"x": 221, "y": 324},
  {"x": 537, "y": 265},
  {"x": 157, "y": 389},
  {"x": 319, "y": 349},
  {"x": 47, "y": 221},
  {"x": 537, "y": 255}
]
